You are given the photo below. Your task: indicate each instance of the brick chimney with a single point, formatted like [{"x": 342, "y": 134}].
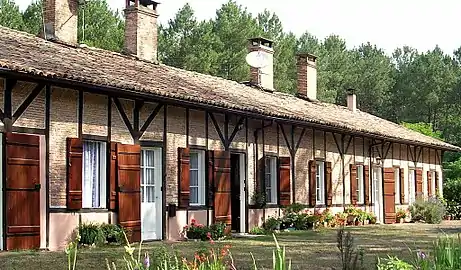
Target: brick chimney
[
  {"x": 141, "y": 29},
  {"x": 264, "y": 76},
  {"x": 61, "y": 18},
  {"x": 351, "y": 100},
  {"x": 307, "y": 76}
]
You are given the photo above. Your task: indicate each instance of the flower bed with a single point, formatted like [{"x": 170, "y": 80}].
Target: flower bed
[{"x": 195, "y": 230}]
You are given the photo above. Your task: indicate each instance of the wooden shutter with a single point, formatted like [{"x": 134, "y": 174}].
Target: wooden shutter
[
  {"x": 74, "y": 173},
  {"x": 312, "y": 183},
  {"x": 437, "y": 191},
  {"x": 113, "y": 176},
  {"x": 354, "y": 183},
  {"x": 184, "y": 175},
  {"x": 22, "y": 191},
  {"x": 366, "y": 172},
  {"x": 419, "y": 183},
  {"x": 129, "y": 189},
  {"x": 284, "y": 181},
  {"x": 328, "y": 184},
  {"x": 429, "y": 183},
  {"x": 210, "y": 171},
  {"x": 389, "y": 195},
  {"x": 222, "y": 196},
  {"x": 402, "y": 185}
]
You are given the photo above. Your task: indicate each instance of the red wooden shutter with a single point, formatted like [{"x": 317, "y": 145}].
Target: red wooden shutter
[
  {"x": 419, "y": 182},
  {"x": 366, "y": 171},
  {"x": 312, "y": 183},
  {"x": 74, "y": 173},
  {"x": 389, "y": 196},
  {"x": 129, "y": 189},
  {"x": 354, "y": 183},
  {"x": 402, "y": 186},
  {"x": 113, "y": 176},
  {"x": 429, "y": 183},
  {"x": 437, "y": 191},
  {"x": 222, "y": 196},
  {"x": 184, "y": 175},
  {"x": 284, "y": 181},
  {"x": 22, "y": 191},
  {"x": 328, "y": 184}
]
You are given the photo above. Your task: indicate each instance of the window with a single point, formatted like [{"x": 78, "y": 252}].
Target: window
[
  {"x": 397, "y": 185},
  {"x": 411, "y": 184},
  {"x": 150, "y": 173},
  {"x": 320, "y": 182},
  {"x": 432, "y": 183},
  {"x": 197, "y": 177},
  {"x": 270, "y": 179},
  {"x": 94, "y": 174},
  {"x": 360, "y": 184}
]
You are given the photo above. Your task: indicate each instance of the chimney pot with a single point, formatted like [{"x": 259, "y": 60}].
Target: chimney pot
[
  {"x": 307, "y": 75},
  {"x": 351, "y": 100},
  {"x": 264, "y": 76},
  {"x": 61, "y": 19}
]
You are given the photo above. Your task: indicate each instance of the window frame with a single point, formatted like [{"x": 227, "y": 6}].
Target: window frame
[
  {"x": 320, "y": 178},
  {"x": 411, "y": 185},
  {"x": 273, "y": 174},
  {"x": 103, "y": 176},
  {"x": 360, "y": 183},
  {"x": 157, "y": 168},
  {"x": 201, "y": 178},
  {"x": 397, "y": 180}
]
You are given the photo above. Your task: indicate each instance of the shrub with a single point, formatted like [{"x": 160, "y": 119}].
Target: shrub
[
  {"x": 257, "y": 231},
  {"x": 259, "y": 199},
  {"x": 401, "y": 214},
  {"x": 431, "y": 210},
  {"x": 217, "y": 230},
  {"x": 393, "y": 263},
  {"x": 113, "y": 233},
  {"x": 199, "y": 231},
  {"x": 452, "y": 195},
  {"x": 271, "y": 224},
  {"x": 91, "y": 234}
]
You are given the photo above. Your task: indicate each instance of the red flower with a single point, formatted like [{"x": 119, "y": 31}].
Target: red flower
[
  {"x": 192, "y": 221},
  {"x": 208, "y": 234}
]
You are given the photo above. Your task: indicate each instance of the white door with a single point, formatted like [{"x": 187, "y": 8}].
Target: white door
[
  {"x": 377, "y": 194},
  {"x": 151, "y": 193}
]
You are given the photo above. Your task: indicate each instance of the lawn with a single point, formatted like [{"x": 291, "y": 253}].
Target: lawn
[{"x": 308, "y": 250}]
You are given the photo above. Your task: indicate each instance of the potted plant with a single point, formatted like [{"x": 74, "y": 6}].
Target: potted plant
[
  {"x": 351, "y": 213},
  {"x": 371, "y": 218},
  {"x": 401, "y": 215},
  {"x": 259, "y": 199}
]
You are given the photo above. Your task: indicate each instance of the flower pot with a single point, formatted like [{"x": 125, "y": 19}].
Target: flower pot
[
  {"x": 350, "y": 220},
  {"x": 325, "y": 224},
  {"x": 401, "y": 220},
  {"x": 366, "y": 222}
]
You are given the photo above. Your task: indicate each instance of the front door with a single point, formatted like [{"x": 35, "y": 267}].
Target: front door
[
  {"x": 151, "y": 193},
  {"x": 377, "y": 194}
]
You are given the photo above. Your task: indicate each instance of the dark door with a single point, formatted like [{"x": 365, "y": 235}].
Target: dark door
[
  {"x": 22, "y": 191},
  {"x": 235, "y": 192}
]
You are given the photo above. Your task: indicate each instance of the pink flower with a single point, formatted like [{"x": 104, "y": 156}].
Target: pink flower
[
  {"x": 192, "y": 221},
  {"x": 208, "y": 234}
]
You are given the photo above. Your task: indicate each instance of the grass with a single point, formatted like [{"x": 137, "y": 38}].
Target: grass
[{"x": 308, "y": 250}]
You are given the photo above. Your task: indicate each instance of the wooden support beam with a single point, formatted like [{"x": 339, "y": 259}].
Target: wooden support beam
[
  {"x": 218, "y": 130},
  {"x": 285, "y": 137},
  {"x": 340, "y": 148},
  {"x": 299, "y": 140},
  {"x": 387, "y": 150},
  {"x": 7, "y": 112},
  {"x": 236, "y": 129},
  {"x": 419, "y": 153},
  {"x": 26, "y": 103},
  {"x": 124, "y": 117},
  {"x": 149, "y": 120}
]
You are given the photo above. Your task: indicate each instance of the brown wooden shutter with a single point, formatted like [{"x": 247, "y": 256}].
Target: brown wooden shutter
[
  {"x": 312, "y": 183},
  {"x": 113, "y": 176},
  {"x": 402, "y": 186},
  {"x": 328, "y": 184},
  {"x": 284, "y": 181},
  {"x": 210, "y": 171},
  {"x": 437, "y": 191},
  {"x": 74, "y": 173},
  {"x": 22, "y": 191},
  {"x": 354, "y": 183},
  {"x": 366, "y": 172},
  {"x": 129, "y": 189},
  {"x": 222, "y": 196},
  {"x": 419, "y": 182},
  {"x": 260, "y": 179},
  {"x": 389, "y": 195},
  {"x": 429, "y": 183},
  {"x": 184, "y": 175}
]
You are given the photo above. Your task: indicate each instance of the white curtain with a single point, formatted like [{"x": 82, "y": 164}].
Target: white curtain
[{"x": 93, "y": 174}]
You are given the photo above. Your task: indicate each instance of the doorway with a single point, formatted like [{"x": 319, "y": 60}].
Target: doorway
[
  {"x": 377, "y": 193},
  {"x": 151, "y": 193},
  {"x": 238, "y": 192}
]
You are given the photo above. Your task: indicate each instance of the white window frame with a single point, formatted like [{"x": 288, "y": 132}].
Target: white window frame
[
  {"x": 434, "y": 192},
  {"x": 411, "y": 186},
  {"x": 102, "y": 160},
  {"x": 360, "y": 184},
  {"x": 201, "y": 177},
  {"x": 271, "y": 172},
  {"x": 156, "y": 168},
  {"x": 320, "y": 182},
  {"x": 397, "y": 185}
]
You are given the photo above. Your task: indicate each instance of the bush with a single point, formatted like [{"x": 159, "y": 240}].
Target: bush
[
  {"x": 271, "y": 224},
  {"x": 113, "y": 233},
  {"x": 91, "y": 234},
  {"x": 217, "y": 230},
  {"x": 393, "y": 263},
  {"x": 257, "y": 231},
  {"x": 452, "y": 195},
  {"x": 199, "y": 231},
  {"x": 431, "y": 210}
]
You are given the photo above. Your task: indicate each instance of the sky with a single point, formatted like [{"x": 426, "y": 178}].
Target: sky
[{"x": 421, "y": 24}]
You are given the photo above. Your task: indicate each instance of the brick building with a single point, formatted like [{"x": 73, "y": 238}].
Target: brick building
[{"x": 96, "y": 136}]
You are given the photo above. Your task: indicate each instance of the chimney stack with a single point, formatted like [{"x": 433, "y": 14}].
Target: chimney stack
[
  {"x": 351, "y": 100},
  {"x": 61, "y": 19},
  {"x": 141, "y": 29},
  {"x": 264, "y": 76},
  {"x": 307, "y": 75}
]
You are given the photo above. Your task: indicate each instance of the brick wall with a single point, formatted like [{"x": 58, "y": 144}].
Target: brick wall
[
  {"x": 141, "y": 32},
  {"x": 61, "y": 19},
  {"x": 34, "y": 115},
  {"x": 95, "y": 114}
]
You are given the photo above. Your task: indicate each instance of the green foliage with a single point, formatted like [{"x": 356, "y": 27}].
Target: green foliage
[
  {"x": 271, "y": 224},
  {"x": 393, "y": 263},
  {"x": 424, "y": 128},
  {"x": 258, "y": 231},
  {"x": 351, "y": 257},
  {"x": 259, "y": 199},
  {"x": 279, "y": 260},
  {"x": 112, "y": 233},
  {"x": 99, "y": 234},
  {"x": 431, "y": 210},
  {"x": 196, "y": 230},
  {"x": 32, "y": 17},
  {"x": 10, "y": 16}
]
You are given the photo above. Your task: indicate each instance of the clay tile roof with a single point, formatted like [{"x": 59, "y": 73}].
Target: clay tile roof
[{"x": 24, "y": 53}]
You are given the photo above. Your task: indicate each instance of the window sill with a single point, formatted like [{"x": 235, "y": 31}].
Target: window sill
[{"x": 83, "y": 210}]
